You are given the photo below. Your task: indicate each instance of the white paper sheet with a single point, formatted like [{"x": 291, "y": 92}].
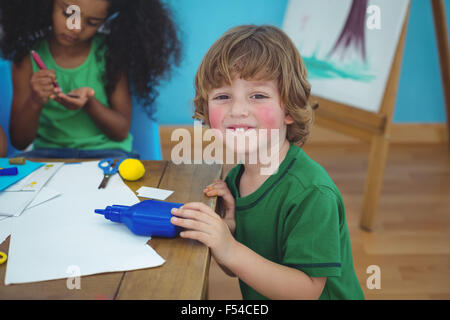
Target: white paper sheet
[
  {"x": 13, "y": 203},
  {"x": 39, "y": 178},
  {"x": 50, "y": 238},
  {"x": 46, "y": 194},
  {"x": 5, "y": 228},
  {"x": 154, "y": 193},
  {"x": 21, "y": 195}
]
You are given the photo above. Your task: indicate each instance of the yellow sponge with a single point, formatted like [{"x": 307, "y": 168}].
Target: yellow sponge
[{"x": 131, "y": 169}]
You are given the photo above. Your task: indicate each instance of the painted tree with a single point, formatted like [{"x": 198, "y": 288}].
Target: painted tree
[{"x": 352, "y": 36}]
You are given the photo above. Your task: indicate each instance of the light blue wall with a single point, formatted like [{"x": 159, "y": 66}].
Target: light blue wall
[
  {"x": 420, "y": 97},
  {"x": 202, "y": 22}
]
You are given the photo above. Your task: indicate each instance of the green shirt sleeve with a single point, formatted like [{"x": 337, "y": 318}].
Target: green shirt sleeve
[{"x": 311, "y": 241}]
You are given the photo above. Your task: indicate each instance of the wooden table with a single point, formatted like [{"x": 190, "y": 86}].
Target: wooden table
[{"x": 184, "y": 275}]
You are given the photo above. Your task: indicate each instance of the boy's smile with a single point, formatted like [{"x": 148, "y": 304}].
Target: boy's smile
[{"x": 247, "y": 106}]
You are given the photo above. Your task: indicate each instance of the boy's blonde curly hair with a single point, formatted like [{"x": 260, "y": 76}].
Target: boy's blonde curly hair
[{"x": 258, "y": 53}]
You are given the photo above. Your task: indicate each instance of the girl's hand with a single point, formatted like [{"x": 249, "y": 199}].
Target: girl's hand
[
  {"x": 76, "y": 99},
  {"x": 220, "y": 188},
  {"x": 42, "y": 86},
  {"x": 203, "y": 224}
]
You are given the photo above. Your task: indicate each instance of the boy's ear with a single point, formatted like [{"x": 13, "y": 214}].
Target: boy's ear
[{"x": 288, "y": 119}]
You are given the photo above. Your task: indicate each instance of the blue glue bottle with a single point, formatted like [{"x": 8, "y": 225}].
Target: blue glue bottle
[{"x": 146, "y": 218}]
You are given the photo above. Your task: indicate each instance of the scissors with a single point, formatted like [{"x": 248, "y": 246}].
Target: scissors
[
  {"x": 110, "y": 167},
  {"x": 3, "y": 257}
]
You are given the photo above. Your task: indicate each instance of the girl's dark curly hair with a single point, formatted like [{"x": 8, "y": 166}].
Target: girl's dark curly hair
[{"x": 141, "y": 41}]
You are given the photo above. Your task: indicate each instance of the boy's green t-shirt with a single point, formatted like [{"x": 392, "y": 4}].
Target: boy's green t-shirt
[
  {"x": 297, "y": 219},
  {"x": 60, "y": 127}
]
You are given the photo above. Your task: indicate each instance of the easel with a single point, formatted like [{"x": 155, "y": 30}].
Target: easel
[
  {"x": 444, "y": 56},
  {"x": 372, "y": 127}
]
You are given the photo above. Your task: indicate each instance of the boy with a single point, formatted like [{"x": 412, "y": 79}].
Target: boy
[{"x": 284, "y": 235}]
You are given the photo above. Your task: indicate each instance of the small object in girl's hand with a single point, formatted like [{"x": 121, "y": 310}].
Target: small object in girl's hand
[
  {"x": 17, "y": 160},
  {"x": 73, "y": 96}
]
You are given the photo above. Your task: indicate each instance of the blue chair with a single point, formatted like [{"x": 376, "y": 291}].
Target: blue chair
[
  {"x": 146, "y": 140},
  {"x": 5, "y": 101},
  {"x": 145, "y": 132}
]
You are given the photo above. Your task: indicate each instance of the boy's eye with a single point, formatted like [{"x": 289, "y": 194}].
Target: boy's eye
[
  {"x": 221, "y": 97},
  {"x": 258, "y": 96}
]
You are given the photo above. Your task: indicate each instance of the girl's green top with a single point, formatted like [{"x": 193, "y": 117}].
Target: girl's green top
[
  {"x": 60, "y": 127},
  {"x": 297, "y": 219}
]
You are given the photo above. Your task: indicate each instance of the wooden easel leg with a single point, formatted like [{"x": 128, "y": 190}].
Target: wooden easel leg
[
  {"x": 380, "y": 142},
  {"x": 440, "y": 23},
  {"x": 374, "y": 181}
]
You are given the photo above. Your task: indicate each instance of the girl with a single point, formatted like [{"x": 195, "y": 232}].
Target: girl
[{"x": 121, "y": 48}]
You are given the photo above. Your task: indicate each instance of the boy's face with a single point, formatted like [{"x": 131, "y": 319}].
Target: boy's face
[
  {"x": 93, "y": 15},
  {"x": 245, "y": 107}
]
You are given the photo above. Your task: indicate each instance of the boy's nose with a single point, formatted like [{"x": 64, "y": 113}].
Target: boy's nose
[{"x": 239, "y": 109}]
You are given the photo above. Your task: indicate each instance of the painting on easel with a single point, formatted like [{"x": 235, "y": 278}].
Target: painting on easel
[{"x": 348, "y": 46}]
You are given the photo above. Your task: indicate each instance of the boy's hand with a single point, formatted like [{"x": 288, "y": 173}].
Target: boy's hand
[
  {"x": 219, "y": 188},
  {"x": 42, "y": 86},
  {"x": 76, "y": 99},
  {"x": 203, "y": 224}
]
